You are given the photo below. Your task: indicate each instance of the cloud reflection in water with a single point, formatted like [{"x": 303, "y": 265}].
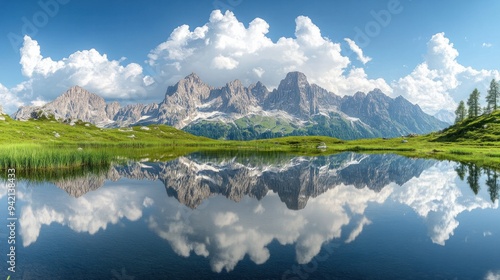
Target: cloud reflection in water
[{"x": 225, "y": 232}]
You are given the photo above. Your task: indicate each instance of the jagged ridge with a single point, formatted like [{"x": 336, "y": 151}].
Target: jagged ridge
[{"x": 238, "y": 112}]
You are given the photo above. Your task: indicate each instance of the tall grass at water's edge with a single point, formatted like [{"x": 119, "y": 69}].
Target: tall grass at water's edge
[
  {"x": 37, "y": 157},
  {"x": 31, "y": 156}
]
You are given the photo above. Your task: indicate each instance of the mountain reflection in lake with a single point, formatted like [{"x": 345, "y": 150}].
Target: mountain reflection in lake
[{"x": 212, "y": 216}]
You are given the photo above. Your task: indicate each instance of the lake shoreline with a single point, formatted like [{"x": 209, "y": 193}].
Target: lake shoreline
[{"x": 24, "y": 156}]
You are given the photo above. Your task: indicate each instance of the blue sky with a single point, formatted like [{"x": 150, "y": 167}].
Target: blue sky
[{"x": 431, "y": 52}]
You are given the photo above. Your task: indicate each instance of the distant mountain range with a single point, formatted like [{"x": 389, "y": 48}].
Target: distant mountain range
[
  {"x": 234, "y": 111},
  {"x": 446, "y": 116}
]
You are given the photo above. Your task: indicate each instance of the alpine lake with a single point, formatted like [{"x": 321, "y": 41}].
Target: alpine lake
[{"x": 210, "y": 215}]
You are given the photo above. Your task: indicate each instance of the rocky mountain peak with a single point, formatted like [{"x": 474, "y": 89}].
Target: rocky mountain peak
[
  {"x": 234, "y": 84},
  {"x": 377, "y": 94},
  {"x": 259, "y": 84},
  {"x": 76, "y": 88},
  {"x": 191, "y": 84},
  {"x": 294, "y": 79},
  {"x": 182, "y": 101},
  {"x": 231, "y": 89},
  {"x": 192, "y": 79},
  {"x": 402, "y": 100},
  {"x": 260, "y": 91},
  {"x": 193, "y": 76},
  {"x": 77, "y": 93},
  {"x": 233, "y": 98},
  {"x": 376, "y": 91},
  {"x": 359, "y": 95},
  {"x": 294, "y": 95},
  {"x": 74, "y": 104}
]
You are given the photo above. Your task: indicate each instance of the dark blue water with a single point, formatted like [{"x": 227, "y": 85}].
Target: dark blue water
[{"x": 346, "y": 216}]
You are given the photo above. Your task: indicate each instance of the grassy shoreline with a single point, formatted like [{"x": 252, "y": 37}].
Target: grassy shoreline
[
  {"x": 39, "y": 144},
  {"x": 40, "y": 156}
]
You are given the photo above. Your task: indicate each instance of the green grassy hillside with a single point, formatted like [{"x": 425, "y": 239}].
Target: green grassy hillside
[
  {"x": 47, "y": 131},
  {"x": 48, "y": 144},
  {"x": 481, "y": 129}
]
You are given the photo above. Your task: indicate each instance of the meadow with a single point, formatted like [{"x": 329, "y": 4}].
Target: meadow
[{"x": 49, "y": 144}]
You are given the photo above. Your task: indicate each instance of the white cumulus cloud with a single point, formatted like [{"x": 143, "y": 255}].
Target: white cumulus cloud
[
  {"x": 223, "y": 62},
  {"x": 224, "y": 43},
  {"x": 90, "y": 69},
  {"x": 224, "y": 49},
  {"x": 440, "y": 82},
  {"x": 32, "y": 61},
  {"x": 358, "y": 51},
  {"x": 9, "y": 101}
]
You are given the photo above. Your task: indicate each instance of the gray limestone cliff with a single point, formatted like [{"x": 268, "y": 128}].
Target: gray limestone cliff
[
  {"x": 75, "y": 104},
  {"x": 235, "y": 111}
]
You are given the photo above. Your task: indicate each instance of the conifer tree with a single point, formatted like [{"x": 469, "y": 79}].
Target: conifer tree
[
  {"x": 493, "y": 96},
  {"x": 461, "y": 112},
  {"x": 473, "y": 103}
]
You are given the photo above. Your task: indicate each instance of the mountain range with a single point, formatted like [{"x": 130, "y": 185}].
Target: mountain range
[{"x": 234, "y": 111}]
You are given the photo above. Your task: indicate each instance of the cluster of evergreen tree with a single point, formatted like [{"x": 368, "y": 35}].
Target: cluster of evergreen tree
[{"x": 473, "y": 108}]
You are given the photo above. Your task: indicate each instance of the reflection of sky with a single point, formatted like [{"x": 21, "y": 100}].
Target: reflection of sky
[
  {"x": 225, "y": 232},
  {"x": 491, "y": 275},
  {"x": 89, "y": 213},
  {"x": 439, "y": 196}
]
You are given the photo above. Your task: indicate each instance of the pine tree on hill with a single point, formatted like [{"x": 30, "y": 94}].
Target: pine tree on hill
[
  {"x": 493, "y": 95},
  {"x": 461, "y": 112},
  {"x": 473, "y": 103}
]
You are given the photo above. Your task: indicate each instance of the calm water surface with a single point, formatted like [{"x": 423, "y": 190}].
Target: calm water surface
[{"x": 209, "y": 216}]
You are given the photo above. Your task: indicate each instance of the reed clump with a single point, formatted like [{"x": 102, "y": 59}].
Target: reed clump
[{"x": 29, "y": 156}]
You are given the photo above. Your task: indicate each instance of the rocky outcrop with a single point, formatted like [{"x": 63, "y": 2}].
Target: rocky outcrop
[
  {"x": 75, "y": 104},
  {"x": 112, "y": 109},
  {"x": 134, "y": 114},
  {"x": 233, "y": 98},
  {"x": 191, "y": 99},
  {"x": 390, "y": 116},
  {"x": 182, "y": 101},
  {"x": 294, "y": 95},
  {"x": 259, "y": 91}
]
